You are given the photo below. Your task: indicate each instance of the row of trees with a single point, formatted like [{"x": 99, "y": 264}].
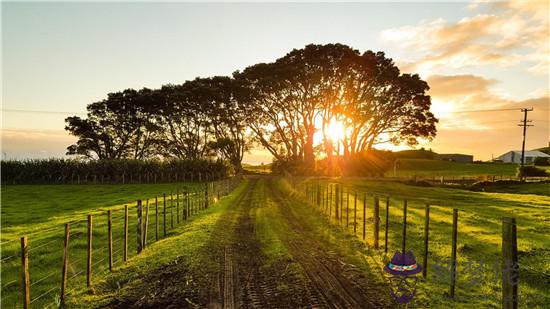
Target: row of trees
[{"x": 283, "y": 106}]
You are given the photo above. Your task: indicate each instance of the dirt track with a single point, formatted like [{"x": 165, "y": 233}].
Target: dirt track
[{"x": 311, "y": 276}]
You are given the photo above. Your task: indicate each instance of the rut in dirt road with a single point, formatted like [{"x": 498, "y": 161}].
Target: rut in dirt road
[
  {"x": 236, "y": 267},
  {"x": 328, "y": 282},
  {"x": 244, "y": 284}
]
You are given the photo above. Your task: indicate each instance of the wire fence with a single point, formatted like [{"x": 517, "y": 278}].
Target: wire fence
[
  {"x": 456, "y": 267},
  {"x": 97, "y": 245}
]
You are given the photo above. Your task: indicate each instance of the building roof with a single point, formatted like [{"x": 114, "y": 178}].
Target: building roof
[{"x": 530, "y": 153}]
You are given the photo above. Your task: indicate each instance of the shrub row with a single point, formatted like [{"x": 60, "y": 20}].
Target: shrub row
[{"x": 65, "y": 171}]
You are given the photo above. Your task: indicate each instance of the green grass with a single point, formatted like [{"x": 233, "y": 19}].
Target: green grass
[
  {"x": 528, "y": 188},
  {"x": 186, "y": 245},
  {"x": 479, "y": 239},
  {"x": 424, "y": 167},
  {"x": 40, "y": 212}
]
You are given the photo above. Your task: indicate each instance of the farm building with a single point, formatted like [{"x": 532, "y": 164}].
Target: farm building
[
  {"x": 514, "y": 156},
  {"x": 454, "y": 157}
]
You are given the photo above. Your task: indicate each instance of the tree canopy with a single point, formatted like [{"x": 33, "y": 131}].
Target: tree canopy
[{"x": 288, "y": 106}]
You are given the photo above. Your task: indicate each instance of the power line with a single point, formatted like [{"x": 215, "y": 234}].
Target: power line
[
  {"x": 487, "y": 110},
  {"x": 9, "y": 110}
]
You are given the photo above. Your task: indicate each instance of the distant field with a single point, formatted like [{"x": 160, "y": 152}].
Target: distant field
[
  {"x": 479, "y": 238},
  {"x": 423, "y": 167},
  {"x": 40, "y": 212}
]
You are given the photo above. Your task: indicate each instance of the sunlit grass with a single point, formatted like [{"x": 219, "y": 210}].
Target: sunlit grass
[
  {"x": 40, "y": 212},
  {"x": 479, "y": 238}
]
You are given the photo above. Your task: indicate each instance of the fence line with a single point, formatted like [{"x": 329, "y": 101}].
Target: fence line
[
  {"x": 100, "y": 254},
  {"x": 315, "y": 191}
]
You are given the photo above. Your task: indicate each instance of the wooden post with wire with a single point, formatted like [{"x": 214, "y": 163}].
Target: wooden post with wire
[
  {"x": 25, "y": 279},
  {"x": 364, "y": 216},
  {"x": 510, "y": 270},
  {"x": 164, "y": 214},
  {"x": 404, "y": 240},
  {"x": 110, "y": 238},
  {"x": 89, "y": 261},
  {"x": 125, "y": 245},
  {"x": 426, "y": 240},
  {"x": 65, "y": 265},
  {"x": 157, "y": 218},
  {"x": 387, "y": 224},
  {"x": 376, "y": 220},
  {"x": 453, "y": 254},
  {"x": 139, "y": 226},
  {"x": 178, "y": 206},
  {"x": 146, "y": 224},
  {"x": 355, "y": 214}
]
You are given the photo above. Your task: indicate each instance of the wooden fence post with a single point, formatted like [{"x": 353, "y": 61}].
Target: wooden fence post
[
  {"x": 510, "y": 270},
  {"x": 125, "y": 245},
  {"x": 188, "y": 204},
  {"x": 206, "y": 196},
  {"x": 342, "y": 206},
  {"x": 171, "y": 212},
  {"x": 453, "y": 253},
  {"x": 330, "y": 203},
  {"x": 89, "y": 262},
  {"x": 146, "y": 224},
  {"x": 164, "y": 214},
  {"x": 347, "y": 210},
  {"x": 110, "y": 238},
  {"x": 364, "y": 216},
  {"x": 178, "y": 206},
  {"x": 387, "y": 224},
  {"x": 156, "y": 219},
  {"x": 139, "y": 226},
  {"x": 337, "y": 202},
  {"x": 65, "y": 265},
  {"x": 426, "y": 239},
  {"x": 318, "y": 195},
  {"x": 355, "y": 214},
  {"x": 404, "y": 241},
  {"x": 376, "y": 222},
  {"x": 25, "y": 279}
]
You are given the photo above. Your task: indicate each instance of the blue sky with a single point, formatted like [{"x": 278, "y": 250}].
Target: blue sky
[{"x": 62, "y": 56}]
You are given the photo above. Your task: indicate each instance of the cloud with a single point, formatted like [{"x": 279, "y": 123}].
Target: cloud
[
  {"x": 444, "y": 86},
  {"x": 516, "y": 32},
  {"x": 466, "y": 103}
]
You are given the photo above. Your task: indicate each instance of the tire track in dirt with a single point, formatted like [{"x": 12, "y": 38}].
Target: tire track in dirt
[
  {"x": 243, "y": 283},
  {"x": 328, "y": 285}
]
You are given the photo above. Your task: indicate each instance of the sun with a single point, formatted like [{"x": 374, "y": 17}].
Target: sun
[{"x": 336, "y": 130}]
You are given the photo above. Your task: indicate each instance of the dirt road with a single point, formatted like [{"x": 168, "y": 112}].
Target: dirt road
[{"x": 263, "y": 253}]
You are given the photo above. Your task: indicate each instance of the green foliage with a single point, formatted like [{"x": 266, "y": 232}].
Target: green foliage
[
  {"x": 110, "y": 171},
  {"x": 194, "y": 120},
  {"x": 365, "y": 93},
  {"x": 540, "y": 161},
  {"x": 531, "y": 171}
]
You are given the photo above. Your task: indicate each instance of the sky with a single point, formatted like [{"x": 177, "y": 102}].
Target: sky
[{"x": 481, "y": 60}]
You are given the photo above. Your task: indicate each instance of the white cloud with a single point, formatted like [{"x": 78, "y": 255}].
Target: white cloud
[{"x": 514, "y": 33}]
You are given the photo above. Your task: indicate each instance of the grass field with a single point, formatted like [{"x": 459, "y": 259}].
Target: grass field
[
  {"x": 424, "y": 167},
  {"x": 479, "y": 239},
  {"x": 281, "y": 238},
  {"x": 40, "y": 212}
]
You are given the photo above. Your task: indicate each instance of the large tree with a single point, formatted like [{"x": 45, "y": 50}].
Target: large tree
[
  {"x": 310, "y": 88},
  {"x": 291, "y": 94},
  {"x": 121, "y": 126}
]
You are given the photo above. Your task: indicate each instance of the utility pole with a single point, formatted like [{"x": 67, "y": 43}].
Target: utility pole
[{"x": 524, "y": 125}]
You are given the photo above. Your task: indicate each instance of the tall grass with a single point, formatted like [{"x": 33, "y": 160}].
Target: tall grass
[{"x": 63, "y": 171}]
